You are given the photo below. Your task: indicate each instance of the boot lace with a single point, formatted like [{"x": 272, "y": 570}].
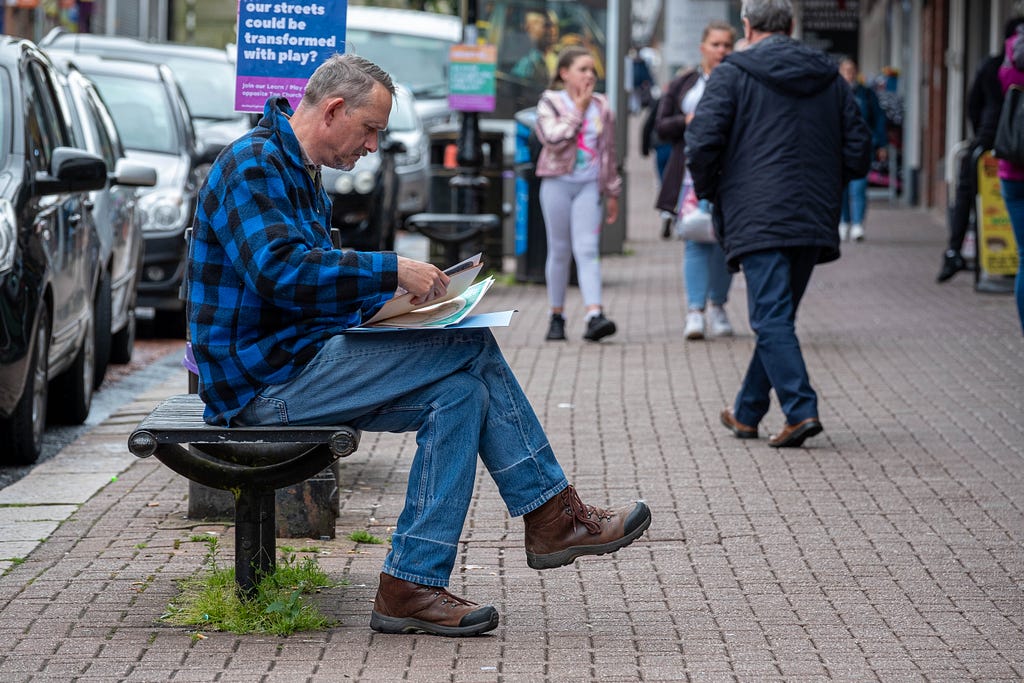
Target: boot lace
[
  {"x": 584, "y": 514},
  {"x": 447, "y": 599}
]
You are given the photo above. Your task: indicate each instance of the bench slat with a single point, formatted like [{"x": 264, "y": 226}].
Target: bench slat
[{"x": 179, "y": 419}]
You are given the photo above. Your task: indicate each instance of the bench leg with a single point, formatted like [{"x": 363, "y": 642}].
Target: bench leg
[{"x": 255, "y": 539}]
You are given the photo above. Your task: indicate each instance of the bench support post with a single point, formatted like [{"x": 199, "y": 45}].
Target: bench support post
[{"x": 255, "y": 539}]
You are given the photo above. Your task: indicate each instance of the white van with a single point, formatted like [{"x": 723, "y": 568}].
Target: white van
[{"x": 412, "y": 47}]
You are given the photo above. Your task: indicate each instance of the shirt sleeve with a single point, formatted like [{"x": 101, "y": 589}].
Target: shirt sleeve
[{"x": 708, "y": 133}]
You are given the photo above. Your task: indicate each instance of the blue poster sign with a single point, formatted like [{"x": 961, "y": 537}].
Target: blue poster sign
[{"x": 280, "y": 45}]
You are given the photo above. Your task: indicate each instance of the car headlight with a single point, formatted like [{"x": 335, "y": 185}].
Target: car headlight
[
  {"x": 8, "y": 235},
  {"x": 163, "y": 211},
  {"x": 343, "y": 185},
  {"x": 364, "y": 182}
]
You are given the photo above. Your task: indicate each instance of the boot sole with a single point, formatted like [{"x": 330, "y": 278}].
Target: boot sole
[
  {"x": 569, "y": 555},
  {"x": 385, "y": 624},
  {"x": 797, "y": 438}
]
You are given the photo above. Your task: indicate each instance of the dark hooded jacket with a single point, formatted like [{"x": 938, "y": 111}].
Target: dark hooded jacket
[{"x": 774, "y": 140}]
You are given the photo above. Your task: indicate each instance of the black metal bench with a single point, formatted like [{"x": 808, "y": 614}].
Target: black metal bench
[
  {"x": 453, "y": 230},
  {"x": 250, "y": 462}
]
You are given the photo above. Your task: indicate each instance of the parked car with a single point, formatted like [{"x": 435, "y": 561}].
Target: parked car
[
  {"x": 155, "y": 127},
  {"x": 118, "y": 222},
  {"x": 49, "y": 255},
  {"x": 371, "y": 201},
  {"x": 206, "y": 76}
]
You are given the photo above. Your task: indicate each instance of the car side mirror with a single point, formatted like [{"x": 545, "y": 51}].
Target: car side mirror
[
  {"x": 392, "y": 146},
  {"x": 209, "y": 154},
  {"x": 71, "y": 170},
  {"x": 132, "y": 174}
]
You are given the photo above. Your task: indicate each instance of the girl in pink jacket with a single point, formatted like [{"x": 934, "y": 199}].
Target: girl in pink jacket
[{"x": 578, "y": 166}]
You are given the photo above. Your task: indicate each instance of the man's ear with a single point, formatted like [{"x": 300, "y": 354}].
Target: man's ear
[
  {"x": 334, "y": 106},
  {"x": 746, "y": 29}
]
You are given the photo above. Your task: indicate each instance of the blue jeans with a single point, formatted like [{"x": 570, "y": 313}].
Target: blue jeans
[
  {"x": 452, "y": 387},
  {"x": 776, "y": 281},
  {"x": 855, "y": 201},
  {"x": 705, "y": 275},
  {"x": 1013, "y": 196},
  {"x": 661, "y": 154}
]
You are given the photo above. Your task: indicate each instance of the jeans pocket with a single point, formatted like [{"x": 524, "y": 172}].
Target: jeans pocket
[{"x": 266, "y": 412}]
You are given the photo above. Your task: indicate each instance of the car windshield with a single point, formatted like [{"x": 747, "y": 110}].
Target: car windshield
[
  {"x": 418, "y": 62},
  {"x": 141, "y": 111},
  {"x": 403, "y": 114},
  {"x": 208, "y": 87}
]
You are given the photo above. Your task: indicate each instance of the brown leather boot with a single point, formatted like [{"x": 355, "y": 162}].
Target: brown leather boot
[
  {"x": 563, "y": 529},
  {"x": 406, "y": 607}
]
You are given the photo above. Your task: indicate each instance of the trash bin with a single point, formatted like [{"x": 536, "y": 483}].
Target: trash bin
[
  {"x": 442, "y": 198},
  {"x": 531, "y": 245}
]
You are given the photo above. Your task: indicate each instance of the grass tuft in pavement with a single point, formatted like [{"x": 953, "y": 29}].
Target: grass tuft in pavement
[{"x": 210, "y": 601}]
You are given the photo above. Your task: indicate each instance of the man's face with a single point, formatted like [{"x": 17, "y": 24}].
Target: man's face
[{"x": 353, "y": 133}]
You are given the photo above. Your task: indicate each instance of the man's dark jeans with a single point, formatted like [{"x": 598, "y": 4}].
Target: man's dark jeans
[{"x": 776, "y": 281}]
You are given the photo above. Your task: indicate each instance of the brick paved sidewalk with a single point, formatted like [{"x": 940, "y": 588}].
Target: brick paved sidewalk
[{"x": 890, "y": 548}]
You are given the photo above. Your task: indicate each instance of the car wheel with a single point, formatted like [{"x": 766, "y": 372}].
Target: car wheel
[
  {"x": 101, "y": 329},
  {"x": 71, "y": 397},
  {"x": 23, "y": 430},
  {"x": 122, "y": 344}
]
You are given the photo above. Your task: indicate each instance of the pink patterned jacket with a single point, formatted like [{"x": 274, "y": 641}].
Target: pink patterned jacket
[{"x": 558, "y": 125}]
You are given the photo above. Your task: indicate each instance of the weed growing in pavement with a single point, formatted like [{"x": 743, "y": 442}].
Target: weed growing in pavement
[
  {"x": 210, "y": 601},
  {"x": 361, "y": 536}
]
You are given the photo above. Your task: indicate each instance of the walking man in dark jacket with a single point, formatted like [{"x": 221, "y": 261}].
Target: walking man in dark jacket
[{"x": 775, "y": 138}]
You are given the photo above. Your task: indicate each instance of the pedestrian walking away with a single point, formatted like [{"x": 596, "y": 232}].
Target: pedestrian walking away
[
  {"x": 855, "y": 196},
  {"x": 706, "y": 278},
  {"x": 578, "y": 166},
  {"x": 775, "y": 138},
  {"x": 269, "y": 303},
  {"x": 1011, "y": 175},
  {"x": 984, "y": 102}
]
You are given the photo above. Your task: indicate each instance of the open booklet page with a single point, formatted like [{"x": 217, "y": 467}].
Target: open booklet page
[
  {"x": 443, "y": 314},
  {"x": 400, "y": 305}
]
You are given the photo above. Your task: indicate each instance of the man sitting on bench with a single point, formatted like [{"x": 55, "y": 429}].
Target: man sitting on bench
[{"x": 269, "y": 301}]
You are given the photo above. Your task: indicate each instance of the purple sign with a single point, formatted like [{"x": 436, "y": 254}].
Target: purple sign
[{"x": 280, "y": 45}]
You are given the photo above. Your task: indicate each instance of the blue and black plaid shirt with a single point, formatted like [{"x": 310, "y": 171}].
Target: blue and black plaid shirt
[{"x": 266, "y": 287}]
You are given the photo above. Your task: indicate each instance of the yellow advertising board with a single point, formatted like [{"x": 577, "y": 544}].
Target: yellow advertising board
[{"x": 997, "y": 250}]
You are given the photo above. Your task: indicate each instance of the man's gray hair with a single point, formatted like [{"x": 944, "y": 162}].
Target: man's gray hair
[
  {"x": 768, "y": 16},
  {"x": 349, "y": 76}
]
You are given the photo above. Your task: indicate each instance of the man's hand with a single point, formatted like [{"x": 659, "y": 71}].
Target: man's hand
[{"x": 424, "y": 281}]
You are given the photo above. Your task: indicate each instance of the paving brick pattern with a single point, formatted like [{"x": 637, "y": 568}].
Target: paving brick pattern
[{"x": 890, "y": 548}]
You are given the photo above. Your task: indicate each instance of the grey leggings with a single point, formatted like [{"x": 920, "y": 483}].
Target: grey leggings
[{"x": 572, "y": 216}]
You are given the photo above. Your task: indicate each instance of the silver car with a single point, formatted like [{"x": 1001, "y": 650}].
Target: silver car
[{"x": 118, "y": 223}]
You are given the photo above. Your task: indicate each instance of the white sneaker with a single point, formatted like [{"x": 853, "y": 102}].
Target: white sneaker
[
  {"x": 844, "y": 231},
  {"x": 719, "y": 322},
  {"x": 857, "y": 232},
  {"x": 694, "y": 325}
]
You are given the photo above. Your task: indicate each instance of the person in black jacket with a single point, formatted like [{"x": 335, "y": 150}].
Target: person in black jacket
[
  {"x": 984, "y": 101},
  {"x": 775, "y": 138}
]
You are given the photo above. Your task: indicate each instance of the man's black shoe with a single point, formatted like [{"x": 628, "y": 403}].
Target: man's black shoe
[{"x": 952, "y": 263}]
